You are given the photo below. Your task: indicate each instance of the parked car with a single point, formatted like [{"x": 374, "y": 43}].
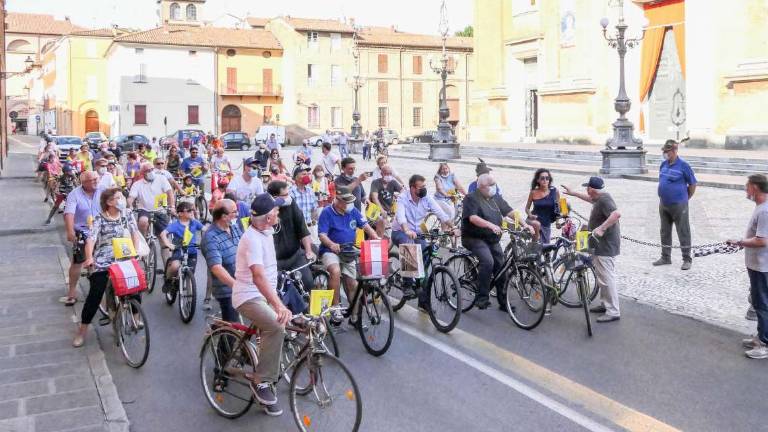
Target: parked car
[
  {"x": 130, "y": 142},
  {"x": 184, "y": 138},
  {"x": 94, "y": 139},
  {"x": 424, "y": 137},
  {"x": 317, "y": 140},
  {"x": 66, "y": 142},
  {"x": 236, "y": 140},
  {"x": 390, "y": 136},
  {"x": 264, "y": 131}
]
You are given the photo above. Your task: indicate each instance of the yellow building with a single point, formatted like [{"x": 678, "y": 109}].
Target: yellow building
[
  {"x": 548, "y": 75},
  {"x": 74, "y": 79},
  {"x": 401, "y": 91}
]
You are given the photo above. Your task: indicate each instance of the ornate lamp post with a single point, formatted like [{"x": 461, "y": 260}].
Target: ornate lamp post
[
  {"x": 445, "y": 146},
  {"x": 356, "y": 82},
  {"x": 624, "y": 152}
]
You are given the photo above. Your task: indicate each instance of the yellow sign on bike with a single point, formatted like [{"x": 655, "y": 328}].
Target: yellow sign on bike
[
  {"x": 196, "y": 171},
  {"x": 582, "y": 240},
  {"x": 161, "y": 201},
  {"x": 564, "y": 210},
  {"x": 122, "y": 247},
  {"x": 518, "y": 217},
  {"x": 372, "y": 212},
  {"x": 319, "y": 301},
  {"x": 359, "y": 237}
]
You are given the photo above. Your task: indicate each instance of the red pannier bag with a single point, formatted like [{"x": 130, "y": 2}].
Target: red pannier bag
[
  {"x": 127, "y": 277},
  {"x": 374, "y": 258}
]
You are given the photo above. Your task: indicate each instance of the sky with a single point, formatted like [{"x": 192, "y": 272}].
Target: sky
[{"x": 419, "y": 16}]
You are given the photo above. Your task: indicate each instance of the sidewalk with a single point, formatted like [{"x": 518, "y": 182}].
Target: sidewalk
[{"x": 45, "y": 384}]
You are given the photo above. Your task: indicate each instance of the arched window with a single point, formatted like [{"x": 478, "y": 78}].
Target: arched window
[
  {"x": 19, "y": 45},
  {"x": 191, "y": 13},
  {"x": 175, "y": 11}
]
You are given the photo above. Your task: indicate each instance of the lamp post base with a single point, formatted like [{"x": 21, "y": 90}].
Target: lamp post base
[
  {"x": 355, "y": 144},
  {"x": 617, "y": 162},
  {"x": 444, "y": 151}
]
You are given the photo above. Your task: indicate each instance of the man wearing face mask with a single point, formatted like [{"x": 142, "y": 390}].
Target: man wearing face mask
[
  {"x": 677, "y": 184},
  {"x": 303, "y": 195},
  {"x": 383, "y": 192},
  {"x": 337, "y": 228},
  {"x": 262, "y": 156},
  {"x": 348, "y": 180},
  {"x": 480, "y": 169},
  {"x": 247, "y": 185},
  {"x": 106, "y": 181},
  {"x": 482, "y": 215},
  {"x": 219, "y": 248},
  {"x": 412, "y": 208},
  {"x": 293, "y": 242},
  {"x": 254, "y": 295},
  {"x": 146, "y": 191}
]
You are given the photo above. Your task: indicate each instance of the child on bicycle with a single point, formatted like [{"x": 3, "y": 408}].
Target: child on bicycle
[
  {"x": 185, "y": 231},
  {"x": 218, "y": 193}
]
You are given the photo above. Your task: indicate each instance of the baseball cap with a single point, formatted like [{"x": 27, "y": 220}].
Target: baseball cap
[
  {"x": 300, "y": 168},
  {"x": 595, "y": 183},
  {"x": 345, "y": 194},
  {"x": 264, "y": 203},
  {"x": 250, "y": 161},
  {"x": 669, "y": 145}
]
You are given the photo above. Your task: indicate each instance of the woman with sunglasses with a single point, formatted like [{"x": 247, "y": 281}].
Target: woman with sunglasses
[{"x": 543, "y": 203}]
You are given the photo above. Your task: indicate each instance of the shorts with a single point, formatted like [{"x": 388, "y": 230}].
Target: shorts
[
  {"x": 161, "y": 219},
  {"x": 348, "y": 268},
  {"x": 78, "y": 247}
]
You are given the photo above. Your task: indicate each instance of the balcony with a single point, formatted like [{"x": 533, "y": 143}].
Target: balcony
[{"x": 251, "y": 89}]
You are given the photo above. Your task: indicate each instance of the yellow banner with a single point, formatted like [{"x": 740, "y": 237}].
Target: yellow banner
[
  {"x": 161, "y": 201},
  {"x": 122, "y": 247},
  {"x": 319, "y": 301}
]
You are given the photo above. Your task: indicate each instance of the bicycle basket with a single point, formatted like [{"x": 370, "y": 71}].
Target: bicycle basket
[
  {"x": 530, "y": 251},
  {"x": 577, "y": 261},
  {"x": 127, "y": 277}
]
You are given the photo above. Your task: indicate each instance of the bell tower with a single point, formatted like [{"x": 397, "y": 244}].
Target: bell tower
[{"x": 180, "y": 12}]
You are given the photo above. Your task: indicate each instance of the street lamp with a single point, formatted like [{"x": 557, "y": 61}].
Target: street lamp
[
  {"x": 624, "y": 152},
  {"x": 445, "y": 146},
  {"x": 356, "y": 82},
  {"x": 28, "y": 65}
]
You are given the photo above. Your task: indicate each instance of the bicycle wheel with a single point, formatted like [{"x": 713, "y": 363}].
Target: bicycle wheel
[
  {"x": 223, "y": 376},
  {"x": 569, "y": 293},
  {"x": 375, "y": 323},
  {"x": 445, "y": 301},
  {"x": 132, "y": 332},
  {"x": 332, "y": 400},
  {"x": 170, "y": 295},
  {"x": 583, "y": 293},
  {"x": 526, "y": 298},
  {"x": 465, "y": 269},
  {"x": 394, "y": 286},
  {"x": 187, "y": 296},
  {"x": 150, "y": 267},
  {"x": 202, "y": 207}
]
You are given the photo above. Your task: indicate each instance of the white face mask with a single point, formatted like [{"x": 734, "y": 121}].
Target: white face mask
[
  {"x": 493, "y": 190},
  {"x": 388, "y": 178},
  {"x": 101, "y": 170},
  {"x": 150, "y": 177},
  {"x": 287, "y": 201},
  {"x": 350, "y": 206},
  {"x": 121, "y": 204}
]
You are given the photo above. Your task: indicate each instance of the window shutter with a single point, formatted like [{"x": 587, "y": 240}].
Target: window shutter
[
  {"x": 140, "y": 114},
  {"x": 383, "y": 63},
  {"x": 417, "y": 65},
  {"x": 193, "y": 114},
  {"x": 417, "y": 92},
  {"x": 383, "y": 92}
]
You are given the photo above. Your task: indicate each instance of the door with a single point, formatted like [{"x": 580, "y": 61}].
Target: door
[
  {"x": 231, "y": 80},
  {"x": 230, "y": 119},
  {"x": 91, "y": 121},
  {"x": 267, "y": 81}
]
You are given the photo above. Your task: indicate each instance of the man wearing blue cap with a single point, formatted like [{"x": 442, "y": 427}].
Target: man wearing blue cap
[
  {"x": 604, "y": 224},
  {"x": 254, "y": 295}
]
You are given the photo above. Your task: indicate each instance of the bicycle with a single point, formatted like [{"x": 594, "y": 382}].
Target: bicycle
[
  {"x": 228, "y": 360},
  {"x": 184, "y": 286},
  {"x": 131, "y": 334},
  {"x": 445, "y": 302},
  {"x": 202, "y": 205},
  {"x": 149, "y": 262}
]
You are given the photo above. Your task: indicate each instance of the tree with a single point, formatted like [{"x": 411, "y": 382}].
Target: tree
[{"x": 467, "y": 32}]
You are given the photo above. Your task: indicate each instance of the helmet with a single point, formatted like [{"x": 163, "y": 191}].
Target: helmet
[{"x": 223, "y": 182}]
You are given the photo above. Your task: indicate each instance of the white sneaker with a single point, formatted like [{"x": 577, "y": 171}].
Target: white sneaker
[
  {"x": 751, "y": 342},
  {"x": 760, "y": 352}
]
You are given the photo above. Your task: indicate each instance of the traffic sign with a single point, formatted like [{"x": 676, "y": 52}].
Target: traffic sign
[{"x": 13, "y": 115}]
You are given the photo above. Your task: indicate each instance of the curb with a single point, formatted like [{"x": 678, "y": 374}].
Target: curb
[
  {"x": 705, "y": 183},
  {"x": 28, "y": 231},
  {"x": 114, "y": 412}
]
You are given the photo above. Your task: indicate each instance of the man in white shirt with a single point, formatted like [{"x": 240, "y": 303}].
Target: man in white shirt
[
  {"x": 255, "y": 297},
  {"x": 147, "y": 192},
  {"x": 106, "y": 181},
  {"x": 330, "y": 161},
  {"x": 247, "y": 185}
]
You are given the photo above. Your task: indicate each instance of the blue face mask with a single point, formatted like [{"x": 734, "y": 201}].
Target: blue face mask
[{"x": 253, "y": 173}]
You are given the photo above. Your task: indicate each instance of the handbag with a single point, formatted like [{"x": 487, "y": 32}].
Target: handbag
[{"x": 142, "y": 248}]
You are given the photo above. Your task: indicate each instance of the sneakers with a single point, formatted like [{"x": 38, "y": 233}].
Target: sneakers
[
  {"x": 751, "y": 314},
  {"x": 686, "y": 265},
  {"x": 264, "y": 393},
  {"x": 207, "y": 304},
  {"x": 751, "y": 342},
  {"x": 482, "y": 302},
  {"x": 78, "y": 341},
  {"x": 758, "y": 352},
  {"x": 272, "y": 410},
  {"x": 607, "y": 318},
  {"x": 600, "y": 309},
  {"x": 661, "y": 262}
]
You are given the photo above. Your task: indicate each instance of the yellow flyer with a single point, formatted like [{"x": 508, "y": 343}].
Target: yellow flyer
[
  {"x": 161, "y": 201},
  {"x": 319, "y": 301},
  {"x": 122, "y": 247},
  {"x": 188, "y": 236},
  {"x": 564, "y": 210},
  {"x": 359, "y": 237},
  {"x": 517, "y": 216},
  {"x": 244, "y": 222},
  {"x": 582, "y": 240}
]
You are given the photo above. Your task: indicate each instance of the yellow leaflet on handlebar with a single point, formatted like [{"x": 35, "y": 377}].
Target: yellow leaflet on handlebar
[
  {"x": 564, "y": 210},
  {"x": 161, "y": 201},
  {"x": 320, "y": 300},
  {"x": 516, "y": 215},
  {"x": 122, "y": 247},
  {"x": 582, "y": 240}
]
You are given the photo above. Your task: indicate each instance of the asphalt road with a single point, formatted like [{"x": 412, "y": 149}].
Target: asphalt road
[{"x": 650, "y": 371}]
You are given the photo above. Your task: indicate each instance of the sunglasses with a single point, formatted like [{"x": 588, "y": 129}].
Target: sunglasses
[{"x": 544, "y": 178}]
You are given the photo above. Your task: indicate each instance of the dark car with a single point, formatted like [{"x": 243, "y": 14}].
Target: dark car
[
  {"x": 94, "y": 139},
  {"x": 424, "y": 137},
  {"x": 130, "y": 142},
  {"x": 236, "y": 140}
]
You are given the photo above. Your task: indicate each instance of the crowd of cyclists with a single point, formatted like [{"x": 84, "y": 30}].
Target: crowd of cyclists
[{"x": 268, "y": 218}]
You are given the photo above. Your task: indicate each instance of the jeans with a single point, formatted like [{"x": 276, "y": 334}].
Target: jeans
[
  {"x": 228, "y": 313},
  {"x": 490, "y": 259},
  {"x": 98, "y": 281},
  {"x": 366, "y": 152},
  {"x": 758, "y": 290},
  {"x": 676, "y": 214},
  {"x": 272, "y": 333},
  {"x": 343, "y": 151},
  {"x": 398, "y": 238},
  {"x": 297, "y": 260}
]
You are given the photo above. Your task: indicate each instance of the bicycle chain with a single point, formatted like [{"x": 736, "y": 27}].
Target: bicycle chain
[{"x": 698, "y": 250}]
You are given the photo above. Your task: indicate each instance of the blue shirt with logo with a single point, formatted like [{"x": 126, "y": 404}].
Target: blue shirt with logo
[
  {"x": 674, "y": 180},
  {"x": 340, "y": 228}
]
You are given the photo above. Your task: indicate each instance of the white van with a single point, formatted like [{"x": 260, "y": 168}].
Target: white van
[{"x": 263, "y": 133}]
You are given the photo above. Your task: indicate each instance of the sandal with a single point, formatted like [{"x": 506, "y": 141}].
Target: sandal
[{"x": 68, "y": 301}]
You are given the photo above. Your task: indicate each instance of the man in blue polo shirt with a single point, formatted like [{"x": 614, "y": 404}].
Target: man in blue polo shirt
[
  {"x": 337, "y": 227},
  {"x": 677, "y": 183}
]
